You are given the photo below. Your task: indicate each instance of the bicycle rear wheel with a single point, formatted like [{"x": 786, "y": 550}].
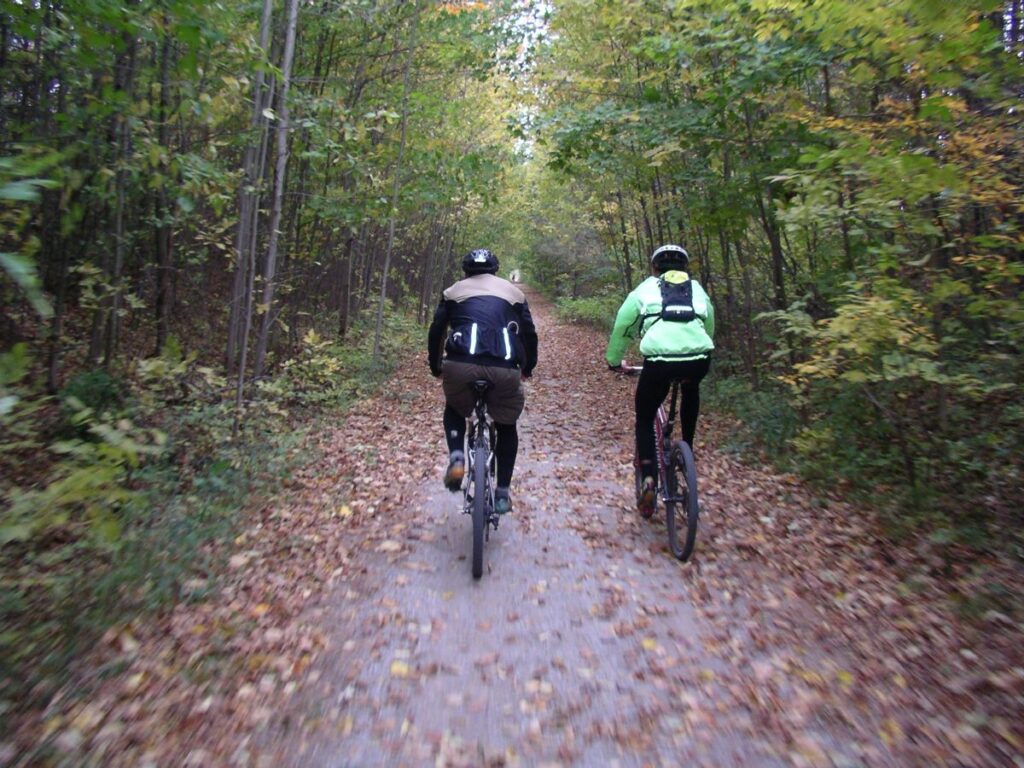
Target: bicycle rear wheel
[
  {"x": 681, "y": 508},
  {"x": 480, "y": 498}
]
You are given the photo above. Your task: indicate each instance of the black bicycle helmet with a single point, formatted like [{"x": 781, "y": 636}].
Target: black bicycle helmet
[
  {"x": 670, "y": 257},
  {"x": 479, "y": 262}
]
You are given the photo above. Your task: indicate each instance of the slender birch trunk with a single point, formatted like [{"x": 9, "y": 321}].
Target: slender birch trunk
[
  {"x": 396, "y": 181},
  {"x": 164, "y": 229},
  {"x": 270, "y": 264},
  {"x": 248, "y": 202},
  {"x": 124, "y": 139}
]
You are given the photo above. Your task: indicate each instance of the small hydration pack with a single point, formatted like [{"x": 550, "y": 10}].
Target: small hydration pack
[{"x": 677, "y": 300}]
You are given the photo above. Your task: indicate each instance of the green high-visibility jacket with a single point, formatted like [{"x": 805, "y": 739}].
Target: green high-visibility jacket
[{"x": 662, "y": 339}]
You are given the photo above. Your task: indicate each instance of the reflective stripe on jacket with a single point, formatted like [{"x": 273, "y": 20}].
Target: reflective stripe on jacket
[{"x": 490, "y": 324}]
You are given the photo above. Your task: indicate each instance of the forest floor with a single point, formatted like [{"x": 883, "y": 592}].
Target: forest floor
[{"x": 347, "y": 629}]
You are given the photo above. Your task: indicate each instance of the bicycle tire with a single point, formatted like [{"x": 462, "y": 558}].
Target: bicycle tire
[
  {"x": 681, "y": 504},
  {"x": 480, "y": 492}
]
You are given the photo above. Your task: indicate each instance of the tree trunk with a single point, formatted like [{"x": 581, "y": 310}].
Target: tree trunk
[
  {"x": 771, "y": 230},
  {"x": 248, "y": 206},
  {"x": 345, "y": 296},
  {"x": 126, "y": 78},
  {"x": 728, "y": 316},
  {"x": 395, "y": 181},
  {"x": 647, "y": 225},
  {"x": 612, "y": 235},
  {"x": 428, "y": 269},
  {"x": 768, "y": 220},
  {"x": 643, "y": 252},
  {"x": 56, "y": 343},
  {"x": 656, "y": 197},
  {"x": 164, "y": 265},
  {"x": 270, "y": 264},
  {"x": 625, "y": 243},
  {"x": 748, "y": 311}
]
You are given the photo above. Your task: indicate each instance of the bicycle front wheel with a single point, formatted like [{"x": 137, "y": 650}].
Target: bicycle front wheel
[
  {"x": 480, "y": 498},
  {"x": 681, "y": 508}
]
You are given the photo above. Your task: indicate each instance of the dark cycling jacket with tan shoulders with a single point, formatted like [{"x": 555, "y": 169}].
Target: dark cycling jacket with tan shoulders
[{"x": 488, "y": 322}]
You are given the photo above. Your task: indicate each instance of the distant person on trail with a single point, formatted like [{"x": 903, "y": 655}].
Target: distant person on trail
[
  {"x": 676, "y": 323},
  {"x": 491, "y": 337}
]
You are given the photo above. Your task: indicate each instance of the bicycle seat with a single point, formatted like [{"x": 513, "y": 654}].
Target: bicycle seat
[{"x": 480, "y": 387}]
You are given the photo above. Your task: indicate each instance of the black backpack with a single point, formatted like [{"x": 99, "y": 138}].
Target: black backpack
[{"x": 677, "y": 301}]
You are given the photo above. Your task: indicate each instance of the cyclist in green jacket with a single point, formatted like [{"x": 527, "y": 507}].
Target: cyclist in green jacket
[{"x": 676, "y": 322}]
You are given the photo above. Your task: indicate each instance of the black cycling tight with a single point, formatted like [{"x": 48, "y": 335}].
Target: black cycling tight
[
  {"x": 655, "y": 381},
  {"x": 505, "y": 449}
]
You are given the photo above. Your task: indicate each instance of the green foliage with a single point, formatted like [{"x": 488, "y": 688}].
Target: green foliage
[
  {"x": 595, "y": 311},
  {"x": 315, "y": 372},
  {"x": 17, "y": 189},
  {"x": 174, "y": 378},
  {"x": 121, "y": 519},
  {"x": 96, "y": 390},
  {"x": 151, "y": 126},
  {"x": 861, "y": 156},
  {"x": 14, "y": 366},
  {"x": 86, "y": 485},
  {"x": 895, "y": 406},
  {"x": 766, "y": 420},
  {"x": 326, "y": 373},
  {"x": 62, "y": 591}
]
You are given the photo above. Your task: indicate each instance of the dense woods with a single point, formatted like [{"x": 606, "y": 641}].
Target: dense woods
[
  {"x": 848, "y": 176},
  {"x": 212, "y": 214},
  {"x": 177, "y": 154},
  {"x": 221, "y": 221}
]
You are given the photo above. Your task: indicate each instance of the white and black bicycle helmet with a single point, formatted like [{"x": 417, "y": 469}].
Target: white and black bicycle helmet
[
  {"x": 670, "y": 257},
  {"x": 480, "y": 261}
]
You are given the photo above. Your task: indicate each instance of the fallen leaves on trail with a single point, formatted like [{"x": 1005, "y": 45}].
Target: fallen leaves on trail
[
  {"x": 796, "y": 635},
  {"x": 203, "y": 678},
  {"x": 797, "y": 594}
]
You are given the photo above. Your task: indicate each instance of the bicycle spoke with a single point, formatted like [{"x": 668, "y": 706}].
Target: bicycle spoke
[{"x": 681, "y": 508}]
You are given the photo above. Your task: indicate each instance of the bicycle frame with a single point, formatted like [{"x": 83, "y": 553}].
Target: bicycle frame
[
  {"x": 677, "y": 476},
  {"x": 481, "y": 432},
  {"x": 663, "y": 424}
]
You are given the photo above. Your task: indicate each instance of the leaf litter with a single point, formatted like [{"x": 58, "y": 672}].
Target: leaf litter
[{"x": 347, "y": 628}]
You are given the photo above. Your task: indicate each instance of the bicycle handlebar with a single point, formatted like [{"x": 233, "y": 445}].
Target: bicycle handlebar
[{"x": 626, "y": 369}]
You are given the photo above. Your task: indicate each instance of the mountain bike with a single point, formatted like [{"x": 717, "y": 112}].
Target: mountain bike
[
  {"x": 479, "y": 488},
  {"x": 677, "y": 475}
]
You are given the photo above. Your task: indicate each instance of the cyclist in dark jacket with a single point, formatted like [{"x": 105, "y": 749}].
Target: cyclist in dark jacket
[{"x": 484, "y": 326}]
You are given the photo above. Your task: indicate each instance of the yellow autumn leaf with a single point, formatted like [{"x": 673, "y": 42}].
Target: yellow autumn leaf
[{"x": 890, "y": 732}]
